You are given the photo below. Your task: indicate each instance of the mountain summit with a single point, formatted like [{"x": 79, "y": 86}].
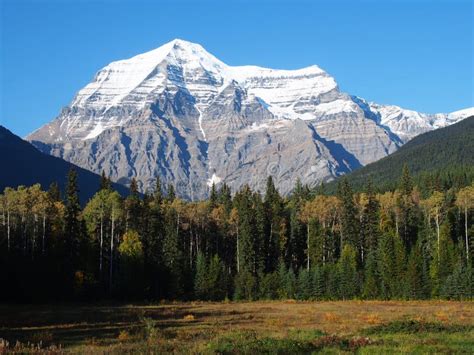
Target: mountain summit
[{"x": 179, "y": 113}]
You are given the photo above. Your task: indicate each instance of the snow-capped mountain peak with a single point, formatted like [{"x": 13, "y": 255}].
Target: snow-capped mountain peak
[{"x": 180, "y": 113}]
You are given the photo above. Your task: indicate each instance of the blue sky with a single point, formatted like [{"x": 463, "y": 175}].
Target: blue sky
[{"x": 416, "y": 54}]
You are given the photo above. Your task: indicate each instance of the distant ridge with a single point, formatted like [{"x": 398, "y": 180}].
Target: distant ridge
[
  {"x": 23, "y": 164},
  {"x": 440, "y": 151}
]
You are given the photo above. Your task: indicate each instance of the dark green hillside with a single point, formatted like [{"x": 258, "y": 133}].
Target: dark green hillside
[
  {"x": 23, "y": 164},
  {"x": 444, "y": 157}
]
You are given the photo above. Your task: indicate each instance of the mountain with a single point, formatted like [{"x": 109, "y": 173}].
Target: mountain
[
  {"x": 179, "y": 113},
  {"x": 23, "y": 164},
  {"x": 448, "y": 150}
]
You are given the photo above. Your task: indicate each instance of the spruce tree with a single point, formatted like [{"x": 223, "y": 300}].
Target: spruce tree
[
  {"x": 213, "y": 196},
  {"x": 349, "y": 222},
  {"x": 201, "y": 286},
  {"x": 133, "y": 207},
  {"x": 72, "y": 225},
  {"x": 347, "y": 270},
  {"x": 414, "y": 274},
  {"x": 72, "y": 228},
  {"x": 171, "y": 194},
  {"x": 370, "y": 221},
  {"x": 371, "y": 277},
  {"x": 304, "y": 284},
  {"x": 54, "y": 192},
  {"x": 408, "y": 212},
  {"x": 105, "y": 183},
  {"x": 318, "y": 281}
]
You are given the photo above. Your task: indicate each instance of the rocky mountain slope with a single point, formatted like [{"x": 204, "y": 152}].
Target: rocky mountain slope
[
  {"x": 180, "y": 113},
  {"x": 23, "y": 164}
]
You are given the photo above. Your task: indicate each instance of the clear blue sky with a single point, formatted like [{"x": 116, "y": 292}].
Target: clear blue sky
[{"x": 417, "y": 54}]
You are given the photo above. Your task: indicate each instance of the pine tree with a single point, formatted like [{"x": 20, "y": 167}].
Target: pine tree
[
  {"x": 371, "y": 277},
  {"x": 370, "y": 221},
  {"x": 390, "y": 264},
  {"x": 273, "y": 207},
  {"x": 72, "y": 228},
  {"x": 304, "y": 284},
  {"x": 133, "y": 207},
  {"x": 269, "y": 284},
  {"x": 105, "y": 183},
  {"x": 153, "y": 242},
  {"x": 54, "y": 192},
  {"x": 349, "y": 222},
  {"x": 318, "y": 281},
  {"x": 408, "y": 213},
  {"x": 73, "y": 210},
  {"x": 213, "y": 196},
  {"x": 173, "y": 251},
  {"x": 245, "y": 286},
  {"x": 347, "y": 269},
  {"x": 225, "y": 198},
  {"x": 171, "y": 195},
  {"x": 216, "y": 279},
  {"x": 201, "y": 286},
  {"x": 290, "y": 284},
  {"x": 414, "y": 274}
]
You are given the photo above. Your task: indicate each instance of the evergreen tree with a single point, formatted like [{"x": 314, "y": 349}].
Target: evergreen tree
[
  {"x": 349, "y": 222},
  {"x": 269, "y": 284},
  {"x": 390, "y": 264},
  {"x": 408, "y": 212},
  {"x": 54, "y": 192},
  {"x": 273, "y": 207},
  {"x": 171, "y": 195},
  {"x": 304, "y": 284},
  {"x": 245, "y": 286},
  {"x": 213, "y": 196},
  {"x": 105, "y": 183},
  {"x": 290, "y": 284},
  {"x": 347, "y": 270},
  {"x": 318, "y": 281},
  {"x": 216, "y": 279},
  {"x": 153, "y": 243},
  {"x": 72, "y": 227},
  {"x": 414, "y": 274},
  {"x": 201, "y": 286},
  {"x": 370, "y": 221},
  {"x": 133, "y": 207},
  {"x": 371, "y": 277}
]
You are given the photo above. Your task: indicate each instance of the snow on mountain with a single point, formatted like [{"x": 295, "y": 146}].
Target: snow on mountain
[
  {"x": 180, "y": 113},
  {"x": 407, "y": 124}
]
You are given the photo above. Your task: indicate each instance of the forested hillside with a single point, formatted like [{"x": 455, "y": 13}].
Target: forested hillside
[
  {"x": 437, "y": 160},
  {"x": 397, "y": 245}
]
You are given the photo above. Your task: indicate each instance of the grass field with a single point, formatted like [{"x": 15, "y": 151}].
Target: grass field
[{"x": 251, "y": 327}]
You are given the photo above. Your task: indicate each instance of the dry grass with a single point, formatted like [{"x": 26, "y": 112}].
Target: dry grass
[{"x": 191, "y": 326}]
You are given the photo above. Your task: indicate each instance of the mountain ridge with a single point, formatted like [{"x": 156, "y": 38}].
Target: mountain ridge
[
  {"x": 437, "y": 152},
  {"x": 24, "y": 165},
  {"x": 179, "y": 113}
]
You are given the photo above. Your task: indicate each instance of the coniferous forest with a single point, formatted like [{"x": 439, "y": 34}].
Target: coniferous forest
[{"x": 407, "y": 243}]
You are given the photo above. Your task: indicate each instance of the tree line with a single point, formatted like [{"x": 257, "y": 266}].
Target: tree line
[{"x": 399, "y": 244}]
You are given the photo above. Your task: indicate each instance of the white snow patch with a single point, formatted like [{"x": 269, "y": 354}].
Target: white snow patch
[
  {"x": 214, "y": 180},
  {"x": 200, "y": 123},
  {"x": 98, "y": 129}
]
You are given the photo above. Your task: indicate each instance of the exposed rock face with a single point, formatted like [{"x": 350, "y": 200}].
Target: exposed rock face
[{"x": 179, "y": 113}]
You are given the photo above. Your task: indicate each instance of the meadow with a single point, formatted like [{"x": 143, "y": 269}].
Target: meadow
[{"x": 276, "y": 327}]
